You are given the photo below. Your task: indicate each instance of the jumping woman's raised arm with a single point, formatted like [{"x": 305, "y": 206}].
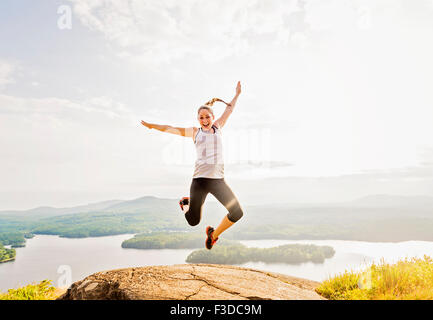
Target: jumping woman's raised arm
[
  {"x": 184, "y": 132},
  {"x": 220, "y": 122}
]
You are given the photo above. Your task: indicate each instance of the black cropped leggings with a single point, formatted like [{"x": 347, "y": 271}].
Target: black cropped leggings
[{"x": 200, "y": 187}]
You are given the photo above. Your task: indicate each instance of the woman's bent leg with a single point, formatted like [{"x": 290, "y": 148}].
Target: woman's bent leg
[
  {"x": 223, "y": 226},
  {"x": 225, "y": 195},
  {"x": 198, "y": 193}
]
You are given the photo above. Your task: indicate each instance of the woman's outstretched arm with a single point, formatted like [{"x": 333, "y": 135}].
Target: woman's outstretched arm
[
  {"x": 220, "y": 122},
  {"x": 184, "y": 132}
]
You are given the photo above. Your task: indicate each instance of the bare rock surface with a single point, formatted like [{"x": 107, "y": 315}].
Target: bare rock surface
[{"x": 191, "y": 282}]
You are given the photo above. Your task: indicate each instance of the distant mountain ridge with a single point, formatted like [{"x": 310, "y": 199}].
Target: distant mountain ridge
[
  {"x": 386, "y": 200},
  {"x": 152, "y": 202},
  {"x": 375, "y": 201},
  {"x": 51, "y": 211}
]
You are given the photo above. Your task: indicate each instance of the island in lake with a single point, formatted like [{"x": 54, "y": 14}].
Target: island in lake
[
  {"x": 6, "y": 254},
  {"x": 170, "y": 240},
  {"x": 238, "y": 254}
]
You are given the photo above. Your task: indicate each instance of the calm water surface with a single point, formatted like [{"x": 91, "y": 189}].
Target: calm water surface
[
  {"x": 43, "y": 255},
  {"x": 349, "y": 255}
]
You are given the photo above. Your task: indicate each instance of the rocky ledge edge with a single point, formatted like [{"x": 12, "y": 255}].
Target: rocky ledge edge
[{"x": 191, "y": 282}]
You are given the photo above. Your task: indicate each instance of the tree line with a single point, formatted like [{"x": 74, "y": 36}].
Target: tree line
[
  {"x": 238, "y": 254},
  {"x": 6, "y": 254}
]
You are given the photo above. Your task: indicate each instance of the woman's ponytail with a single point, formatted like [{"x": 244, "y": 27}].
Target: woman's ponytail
[
  {"x": 208, "y": 105},
  {"x": 212, "y": 101}
]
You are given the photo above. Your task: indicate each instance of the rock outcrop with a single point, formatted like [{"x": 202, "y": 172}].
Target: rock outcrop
[{"x": 191, "y": 282}]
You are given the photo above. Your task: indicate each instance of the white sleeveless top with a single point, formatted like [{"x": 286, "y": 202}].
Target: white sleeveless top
[{"x": 210, "y": 162}]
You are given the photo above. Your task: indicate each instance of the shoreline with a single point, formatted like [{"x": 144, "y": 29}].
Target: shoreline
[{"x": 7, "y": 260}]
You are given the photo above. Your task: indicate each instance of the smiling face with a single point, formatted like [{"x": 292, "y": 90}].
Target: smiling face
[{"x": 205, "y": 118}]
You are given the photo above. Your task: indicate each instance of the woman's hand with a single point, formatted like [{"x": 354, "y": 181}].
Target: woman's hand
[
  {"x": 146, "y": 124},
  {"x": 238, "y": 88}
]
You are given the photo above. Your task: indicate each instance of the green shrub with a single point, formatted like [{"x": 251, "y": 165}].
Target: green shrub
[
  {"x": 408, "y": 279},
  {"x": 40, "y": 291}
]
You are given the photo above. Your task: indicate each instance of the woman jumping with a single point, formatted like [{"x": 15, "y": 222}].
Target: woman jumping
[{"x": 209, "y": 168}]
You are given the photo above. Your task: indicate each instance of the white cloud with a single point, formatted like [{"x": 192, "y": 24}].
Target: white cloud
[
  {"x": 63, "y": 108},
  {"x": 159, "y": 31},
  {"x": 52, "y": 131},
  {"x": 6, "y": 71},
  {"x": 54, "y": 144}
]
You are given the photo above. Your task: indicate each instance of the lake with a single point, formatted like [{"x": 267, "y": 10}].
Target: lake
[
  {"x": 57, "y": 259},
  {"x": 349, "y": 255}
]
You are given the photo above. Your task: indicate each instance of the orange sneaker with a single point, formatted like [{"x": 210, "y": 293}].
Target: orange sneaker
[
  {"x": 184, "y": 202},
  {"x": 210, "y": 241}
]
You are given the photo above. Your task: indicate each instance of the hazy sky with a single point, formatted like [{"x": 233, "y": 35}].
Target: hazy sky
[{"x": 337, "y": 100}]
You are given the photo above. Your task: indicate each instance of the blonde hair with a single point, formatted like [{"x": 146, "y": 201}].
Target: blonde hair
[{"x": 210, "y": 103}]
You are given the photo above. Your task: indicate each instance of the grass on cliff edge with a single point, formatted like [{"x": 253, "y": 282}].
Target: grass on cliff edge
[
  {"x": 408, "y": 279},
  {"x": 39, "y": 291}
]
